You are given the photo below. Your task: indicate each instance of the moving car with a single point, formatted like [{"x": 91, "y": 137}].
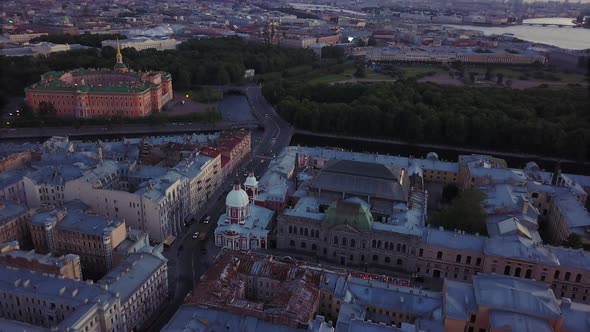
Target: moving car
[
  {"x": 196, "y": 235},
  {"x": 207, "y": 219}
]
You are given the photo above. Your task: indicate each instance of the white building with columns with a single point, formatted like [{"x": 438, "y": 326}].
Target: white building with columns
[{"x": 244, "y": 226}]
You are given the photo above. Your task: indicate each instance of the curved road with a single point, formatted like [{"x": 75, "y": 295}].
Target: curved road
[{"x": 189, "y": 258}]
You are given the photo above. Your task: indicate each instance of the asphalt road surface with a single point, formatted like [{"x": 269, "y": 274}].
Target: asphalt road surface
[{"x": 189, "y": 258}]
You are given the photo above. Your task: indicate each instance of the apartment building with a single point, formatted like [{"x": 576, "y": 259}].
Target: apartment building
[
  {"x": 13, "y": 222},
  {"x": 57, "y": 303},
  {"x": 141, "y": 283},
  {"x": 234, "y": 146},
  {"x": 205, "y": 174},
  {"x": 46, "y": 186},
  {"x": 76, "y": 231},
  {"x": 67, "y": 266}
]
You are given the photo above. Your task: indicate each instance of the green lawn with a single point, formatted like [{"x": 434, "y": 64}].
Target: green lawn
[
  {"x": 347, "y": 75},
  {"x": 516, "y": 73},
  {"x": 420, "y": 70}
]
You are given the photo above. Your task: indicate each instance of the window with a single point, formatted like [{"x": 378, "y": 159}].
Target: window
[
  {"x": 468, "y": 260},
  {"x": 314, "y": 247},
  {"x": 375, "y": 258},
  {"x": 303, "y": 244},
  {"x": 387, "y": 260},
  {"x": 344, "y": 242},
  {"x": 578, "y": 277},
  {"x": 399, "y": 261},
  {"x": 292, "y": 243},
  {"x": 567, "y": 276},
  {"x": 528, "y": 273},
  {"x": 458, "y": 259},
  {"x": 439, "y": 255},
  {"x": 353, "y": 243},
  {"x": 362, "y": 258},
  {"x": 556, "y": 275},
  {"x": 335, "y": 240},
  {"x": 403, "y": 248},
  {"x": 351, "y": 258},
  {"x": 420, "y": 252},
  {"x": 507, "y": 270},
  {"x": 290, "y": 229},
  {"x": 306, "y": 232},
  {"x": 517, "y": 272},
  {"x": 399, "y": 247},
  {"x": 478, "y": 261}
]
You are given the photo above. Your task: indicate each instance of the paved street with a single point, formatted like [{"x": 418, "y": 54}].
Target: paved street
[{"x": 188, "y": 264}]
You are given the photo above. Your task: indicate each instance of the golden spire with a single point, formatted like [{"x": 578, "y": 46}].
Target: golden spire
[{"x": 118, "y": 48}]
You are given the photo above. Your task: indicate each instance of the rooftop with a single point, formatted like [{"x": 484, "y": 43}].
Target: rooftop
[
  {"x": 516, "y": 295},
  {"x": 10, "y": 210},
  {"x": 203, "y": 319},
  {"x": 132, "y": 273},
  {"x": 77, "y": 221}
]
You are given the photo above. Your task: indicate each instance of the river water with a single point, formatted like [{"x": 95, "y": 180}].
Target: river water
[{"x": 565, "y": 37}]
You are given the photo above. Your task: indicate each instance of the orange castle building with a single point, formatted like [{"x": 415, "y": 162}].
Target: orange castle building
[{"x": 87, "y": 93}]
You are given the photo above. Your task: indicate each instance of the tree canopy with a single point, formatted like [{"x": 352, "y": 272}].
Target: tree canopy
[
  {"x": 193, "y": 63},
  {"x": 543, "y": 121},
  {"x": 465, "y": 213}
]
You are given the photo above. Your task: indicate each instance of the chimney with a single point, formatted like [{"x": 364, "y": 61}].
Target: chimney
[{"x": 556, "y": 174}]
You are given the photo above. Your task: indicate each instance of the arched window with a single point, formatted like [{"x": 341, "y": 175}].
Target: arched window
[
  {"x": 317, "y": 234},
  {"x": 391, "y": 246},
  {"x": 578, "y": 277},
  {"x": 567, "y": 276},
  {"x": 295, "y": 230},
  {"x": 507, "y": 270},
  {"x": 439, "y": 255},
  {"x": 468, "y": 260},
  {"x": 517, "y": 272},
  {"x": 303, "y": 244},
  {"x": 292, "y": 243},
  {"x": 458, "y": 259},
  {"x": 301, "y": 231},
  {"x": 399, "y": 247},
  {"x": 314, "y": 247},
  {"x": 306, "y": 232},
  {"x": 399, "y": 261},
  {"x": 335, "y": 240},
  {"x": 385, "y": 246},
  {"x": 375, "y": 258},
  {"x": 528, "y": 273},
  {"x": 353, "y": 243},
  {"x": 421, "y": 252},
  {"x": 290, "y": 229},
  {"x": 344, "y": 242},
  {"x": 556, "y": 275},
  {"x": 387, "y": 260},
  {"x": 404, "y": 248},
  {"x": 379, "y": 244},
  {"x": 362, "y": 258},
  {"x": 374, "y": 244},
  {"x": 351, "y": 258}
]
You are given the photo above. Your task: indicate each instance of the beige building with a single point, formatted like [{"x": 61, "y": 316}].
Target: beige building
[
  {"x": 141, "y": 285},
  {"x": 59, "y": 303},
  {"x": 141, "y": 44},
  {"x": 75, "y": 231}
]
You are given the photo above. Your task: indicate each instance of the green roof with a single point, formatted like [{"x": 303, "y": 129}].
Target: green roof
[
  {"x": 120, "y": 65},
  {"x": 50, "y": 82},
  {"x": 353, "y": 212}
]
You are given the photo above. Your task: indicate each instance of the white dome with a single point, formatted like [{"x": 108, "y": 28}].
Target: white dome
[
  {"x": 251, "y": 181},
  {"x": 237, "y": 198}
]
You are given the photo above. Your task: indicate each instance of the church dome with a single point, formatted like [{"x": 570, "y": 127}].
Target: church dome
[
  {"x": 251, "y": 181},
  {"x": 237, "y": 198}
]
